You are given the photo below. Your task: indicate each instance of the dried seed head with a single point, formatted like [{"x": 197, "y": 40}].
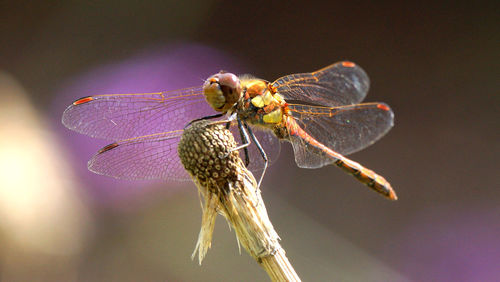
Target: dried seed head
[{"x": 204, "y": 150}]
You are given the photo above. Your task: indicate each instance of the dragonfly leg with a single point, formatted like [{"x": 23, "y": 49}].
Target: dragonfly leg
[
  {"x": 262, "y": 153},
  {"x": 203, "y": 118},
  {"x": 245, "y": 141},
  {"x": 243, "y": 137}
]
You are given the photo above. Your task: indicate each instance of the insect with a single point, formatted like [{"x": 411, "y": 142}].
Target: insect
[{"x": 319, "y": 113}]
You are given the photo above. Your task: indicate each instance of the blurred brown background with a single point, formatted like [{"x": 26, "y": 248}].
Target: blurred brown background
[{"x": 435, "y": 63}]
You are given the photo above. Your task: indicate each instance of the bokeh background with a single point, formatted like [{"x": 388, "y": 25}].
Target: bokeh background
[{"x": 435, "y": 62}]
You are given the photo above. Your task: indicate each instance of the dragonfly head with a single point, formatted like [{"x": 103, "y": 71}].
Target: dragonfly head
[{"x": 222, "y": 91}]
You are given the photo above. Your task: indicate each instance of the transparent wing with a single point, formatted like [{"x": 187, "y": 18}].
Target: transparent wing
[
  {"x": 342, "y": 83},
  {"x": 308, "y": 156},
  {"x": 344, "y": 129},
  {"x": 122, "y": 116},
  {"x": 147, "y": 157},
  {"x": 155, "y": 156}
]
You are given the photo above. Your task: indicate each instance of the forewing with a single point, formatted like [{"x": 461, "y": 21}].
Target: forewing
[
  {"x": 345, "y": 129},
  {"x": 122, "y": 116},
  {"x": 343, "y": 83},
  {"x": 147, "y": 157}
]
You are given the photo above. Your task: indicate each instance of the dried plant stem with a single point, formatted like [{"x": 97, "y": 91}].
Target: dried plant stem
[
  {"x": 278, "y": 267},
  {"x": 230, "y": 189}
]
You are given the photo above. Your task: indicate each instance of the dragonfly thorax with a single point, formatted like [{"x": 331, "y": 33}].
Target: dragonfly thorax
[
  {"x": 222, "y": 91},
  {"x": 260, "y": 104}
]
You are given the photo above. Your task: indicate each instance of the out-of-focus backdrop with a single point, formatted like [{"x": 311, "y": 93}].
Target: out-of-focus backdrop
[{"x": 435, "y": 63}]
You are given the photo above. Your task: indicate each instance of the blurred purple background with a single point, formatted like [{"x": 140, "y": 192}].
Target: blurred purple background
[{"x": 435, "y": 63}]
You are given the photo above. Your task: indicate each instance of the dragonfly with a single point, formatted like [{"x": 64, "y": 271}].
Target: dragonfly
[{"x": 320, "y": 113}]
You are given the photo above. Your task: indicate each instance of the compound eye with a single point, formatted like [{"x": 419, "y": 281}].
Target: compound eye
[
  {"x": 222, "y": 91},
  {"x": 229, "y": 83},
  {"x": 230, "y": 87}
]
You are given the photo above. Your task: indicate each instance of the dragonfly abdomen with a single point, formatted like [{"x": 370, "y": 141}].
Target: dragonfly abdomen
[
  {"x": 368, "y": 177},
  {"x": 364, "y": 175}
]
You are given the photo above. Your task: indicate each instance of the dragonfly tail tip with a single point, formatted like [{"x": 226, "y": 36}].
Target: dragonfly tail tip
[{"x": 392, "y": 195}]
